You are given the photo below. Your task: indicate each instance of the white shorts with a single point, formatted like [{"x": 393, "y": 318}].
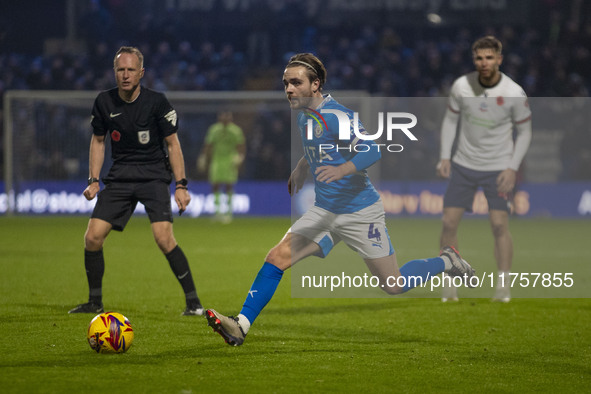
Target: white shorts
[{"x": 363, "y": 231}]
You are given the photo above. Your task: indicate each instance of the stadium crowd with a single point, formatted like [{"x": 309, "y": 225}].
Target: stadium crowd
[{"x": 380, "y": 59}]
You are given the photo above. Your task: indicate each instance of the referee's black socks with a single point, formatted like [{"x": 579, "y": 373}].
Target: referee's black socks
[
  {"x": 94, "y": 262},
  {"x": 180, "y": 266}
]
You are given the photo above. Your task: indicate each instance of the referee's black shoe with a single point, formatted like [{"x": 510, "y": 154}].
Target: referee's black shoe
[
  {"x": 89, "y": 307},
  {"x": 193, "y": 310}
]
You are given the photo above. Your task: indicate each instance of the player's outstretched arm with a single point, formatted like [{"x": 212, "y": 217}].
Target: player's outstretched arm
[
  {"x": 298, "y": 177},
  {"x": 95, "y": 162}
]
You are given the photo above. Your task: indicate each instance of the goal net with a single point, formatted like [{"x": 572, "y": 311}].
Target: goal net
[{"x": 47, "y": 134}]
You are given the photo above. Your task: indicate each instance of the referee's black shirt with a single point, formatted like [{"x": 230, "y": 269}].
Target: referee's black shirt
[{"x": 137, "y": 131}]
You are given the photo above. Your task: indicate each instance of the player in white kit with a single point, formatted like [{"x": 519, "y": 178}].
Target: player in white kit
[{"x": 490, "y": 105}]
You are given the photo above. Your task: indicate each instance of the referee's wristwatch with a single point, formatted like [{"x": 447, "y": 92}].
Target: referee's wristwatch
[
  {"x": 92, "y": 180},
  {"x": 182, "y": 183}
]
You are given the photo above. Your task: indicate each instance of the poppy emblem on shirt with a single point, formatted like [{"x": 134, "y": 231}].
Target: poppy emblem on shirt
[
  {"x": 115, "y": 136},
  {"x": 500, "y": 101},
  {"x": 143, "y": 136}
]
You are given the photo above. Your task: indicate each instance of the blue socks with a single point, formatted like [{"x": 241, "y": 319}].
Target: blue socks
[
  {"x": 425, "y": 269},
  {"x": 261, "y": 291},
  {"x": 269, "y": 276}
]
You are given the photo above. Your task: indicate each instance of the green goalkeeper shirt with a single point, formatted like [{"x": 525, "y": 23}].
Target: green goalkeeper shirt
[{"x": 224, "y": 141}]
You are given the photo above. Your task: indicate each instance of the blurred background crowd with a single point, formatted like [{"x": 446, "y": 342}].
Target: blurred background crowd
[{"x": 386, "y": 48}]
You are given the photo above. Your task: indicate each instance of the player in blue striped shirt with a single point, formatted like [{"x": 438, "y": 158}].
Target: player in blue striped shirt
[{"x": 347, "y": 206}]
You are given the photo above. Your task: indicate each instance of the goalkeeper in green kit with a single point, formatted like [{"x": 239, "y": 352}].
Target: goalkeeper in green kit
[{"x": 222, "y": 156}]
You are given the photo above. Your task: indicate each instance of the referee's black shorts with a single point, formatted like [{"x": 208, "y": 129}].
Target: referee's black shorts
[{"x": 117, "y": 201}]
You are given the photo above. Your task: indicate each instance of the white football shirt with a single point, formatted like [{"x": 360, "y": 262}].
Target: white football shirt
[{"x": 488, "y": 115}]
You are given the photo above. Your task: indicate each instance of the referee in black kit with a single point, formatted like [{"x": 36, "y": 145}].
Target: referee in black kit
[{"x": 140, "y": 123}]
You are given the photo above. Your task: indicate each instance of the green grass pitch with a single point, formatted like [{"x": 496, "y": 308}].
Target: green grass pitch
[{"x": 297, "y": 344}]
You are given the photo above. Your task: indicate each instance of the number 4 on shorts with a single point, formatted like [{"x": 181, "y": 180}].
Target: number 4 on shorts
[{"x": 374, "y": 233}]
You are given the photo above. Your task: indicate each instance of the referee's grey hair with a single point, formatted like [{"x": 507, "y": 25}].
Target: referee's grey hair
[{"x": 130, "y": 50}]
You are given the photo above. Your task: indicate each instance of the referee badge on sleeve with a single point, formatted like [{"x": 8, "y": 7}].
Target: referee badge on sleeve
[{"x": 143, "y": 136}]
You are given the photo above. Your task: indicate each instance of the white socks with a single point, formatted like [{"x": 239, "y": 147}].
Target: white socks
[
  {"x": 447, "y": 262},
  {"x": 244, "y": 323}
]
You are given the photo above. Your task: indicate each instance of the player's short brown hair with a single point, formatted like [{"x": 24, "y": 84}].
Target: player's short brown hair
[
  {"x": 314, "y": 67},
  {"x": 488, "y": 42},
  {"x": 131, "y": 50}
]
